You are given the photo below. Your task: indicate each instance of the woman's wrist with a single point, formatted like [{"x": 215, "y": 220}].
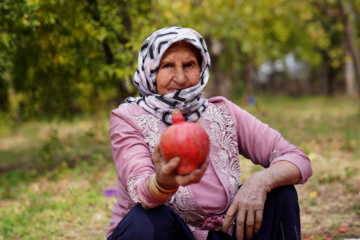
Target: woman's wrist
[
  {"x": 157, "y": 191},
  {"x": 280, "y": 174},
  {"x": 266, "y": 180},
  {"x": 173, "y": 190}
]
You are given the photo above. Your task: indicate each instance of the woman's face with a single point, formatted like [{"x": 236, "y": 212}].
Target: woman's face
[{"x": 178, "y": 69}]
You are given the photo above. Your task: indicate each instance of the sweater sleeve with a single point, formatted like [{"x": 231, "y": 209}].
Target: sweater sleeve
[
  {"x": 264, "y": 145},
  {"x": 132, "y": 159}
]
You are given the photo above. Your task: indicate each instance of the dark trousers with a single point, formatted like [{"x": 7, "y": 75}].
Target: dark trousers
[{"x": 281, "y": 221}]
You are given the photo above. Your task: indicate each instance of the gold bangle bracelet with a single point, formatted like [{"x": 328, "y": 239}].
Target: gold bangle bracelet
[
  {"x": 155, "y": 191},
  {"x": 172, "y": 191}
]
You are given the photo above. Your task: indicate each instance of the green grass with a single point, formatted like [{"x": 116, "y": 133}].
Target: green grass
[
  {"x": 317, "y": 123},
  {"x": 52, "y": 178},
  {"x": 70, "y": 206},
  {"x": 328, "y": 130},
  {"x": 53, "y": 174}
]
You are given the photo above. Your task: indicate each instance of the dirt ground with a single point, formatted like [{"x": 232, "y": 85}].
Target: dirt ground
[{"x": 331, "y": 198}]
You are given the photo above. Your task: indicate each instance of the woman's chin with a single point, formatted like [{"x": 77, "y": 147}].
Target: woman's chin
[{"x": 172, "y": 91}]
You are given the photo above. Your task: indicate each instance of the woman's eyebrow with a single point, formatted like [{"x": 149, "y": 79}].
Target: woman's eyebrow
[{"x": 189, "y": 62}]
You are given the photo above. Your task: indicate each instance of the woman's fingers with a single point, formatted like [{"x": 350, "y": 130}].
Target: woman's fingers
[
  {"x": 249, "y": 224},
  {"x": 248, "y": 204},
  {"x": 196, "y": 175},
  {"x": 156, "y": 157},
  {"x": 245, "y": 219},
  {"x": 240, "y": 223},
  {"x": 258, "y": 220},
  {"x": 204, "y": 166},
  {"x": 171, "y": 166},
  {"x": 193, "y": 177},
  {"x": 166, "y": 171},
  {"x": 251, "y": 221},
  {"x": 167, "y": 168},
  {"x": 230, "y": 214}
]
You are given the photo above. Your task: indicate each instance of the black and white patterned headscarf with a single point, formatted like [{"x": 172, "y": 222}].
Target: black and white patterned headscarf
[{"x": 189, "y": 101}]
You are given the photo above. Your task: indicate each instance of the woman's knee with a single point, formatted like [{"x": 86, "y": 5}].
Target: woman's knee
[
  {"x": 157, "y": 223},
  {"x": 135, "y": 225},
  {"x": 147, "y": 219},
  {"x": 286, "y": 194}
]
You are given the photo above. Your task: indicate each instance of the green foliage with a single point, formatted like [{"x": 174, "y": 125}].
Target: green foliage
[
  {"x": 65, "y": 56},
  {"x": 257, "y": 31}
]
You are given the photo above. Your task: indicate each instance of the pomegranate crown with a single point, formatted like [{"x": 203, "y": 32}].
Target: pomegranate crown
[{"x": 177, "y": 117}]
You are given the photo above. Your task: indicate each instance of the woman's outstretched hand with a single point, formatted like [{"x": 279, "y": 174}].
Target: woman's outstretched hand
[
  {"x": 248, "y": 204},
  {"x": 166, "y": 174}
]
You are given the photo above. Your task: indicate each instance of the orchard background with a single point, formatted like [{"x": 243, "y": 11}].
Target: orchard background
[{"x": 65, "y": 64}]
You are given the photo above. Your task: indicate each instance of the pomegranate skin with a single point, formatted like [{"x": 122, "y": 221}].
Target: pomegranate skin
[{"x": 186, "y": 140}]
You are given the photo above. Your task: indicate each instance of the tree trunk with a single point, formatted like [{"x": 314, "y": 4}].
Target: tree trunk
[
  {"x": 330, "y": 74},
  {"x": 122, "y": 90},
  {"x": 350, "y": 39},
  {"x": 247, "y": 77},
  {"x": 350, "y": 79},
  {"x": 330, "y": 80},
  {"x": 4, "y": 98},
  {"x": 219, "y": 85},
  {"x": 214, "y": 91}
]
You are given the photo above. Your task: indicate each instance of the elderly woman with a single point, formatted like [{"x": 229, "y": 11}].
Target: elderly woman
[{"x": 153, "y": 201}]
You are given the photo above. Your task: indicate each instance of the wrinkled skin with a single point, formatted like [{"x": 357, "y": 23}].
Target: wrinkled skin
[
  {"x": 178, "y": 69},
  {"x": 248, "y": 204}
]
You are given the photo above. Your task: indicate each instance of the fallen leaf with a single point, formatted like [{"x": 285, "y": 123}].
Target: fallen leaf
[
  {"x": 313, "y": 194},
  {"x": 310, "y": 237},
  {"x": 343, "y": 229}
]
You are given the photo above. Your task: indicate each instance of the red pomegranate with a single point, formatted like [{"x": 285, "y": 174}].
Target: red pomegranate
[{"x": 186, "y": 140}]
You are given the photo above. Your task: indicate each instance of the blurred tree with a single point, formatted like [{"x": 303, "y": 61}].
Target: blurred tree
[
  {"x": 326, "y": 16},
  {"x": 60, "y": 57},
  {"x": 67, "y": 56},
  {"x": 337, "y": 18},
  {"x": 6, "y": 48},
  {"x": 252, "y": 32},
  {"x": 350, "y": 36},
  {"x": 249, "y": 33}
]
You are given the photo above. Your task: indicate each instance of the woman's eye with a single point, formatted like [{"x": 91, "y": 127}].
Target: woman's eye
[
  {"x": 190, "y": 64},
  {"x": 167, "y": 65}
]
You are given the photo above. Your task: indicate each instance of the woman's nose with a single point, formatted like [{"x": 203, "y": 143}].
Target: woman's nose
[{"x": 179, "y": 75}]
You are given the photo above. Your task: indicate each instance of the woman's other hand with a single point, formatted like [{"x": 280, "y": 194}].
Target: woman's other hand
[
  {"x": 248, "y": 204},
  {"x": 166, "y": 174},
  {"x": 249, "y": 201}
]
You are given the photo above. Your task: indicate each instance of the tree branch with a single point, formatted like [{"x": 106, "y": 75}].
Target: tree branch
[{"x": 332, "y": 13}]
